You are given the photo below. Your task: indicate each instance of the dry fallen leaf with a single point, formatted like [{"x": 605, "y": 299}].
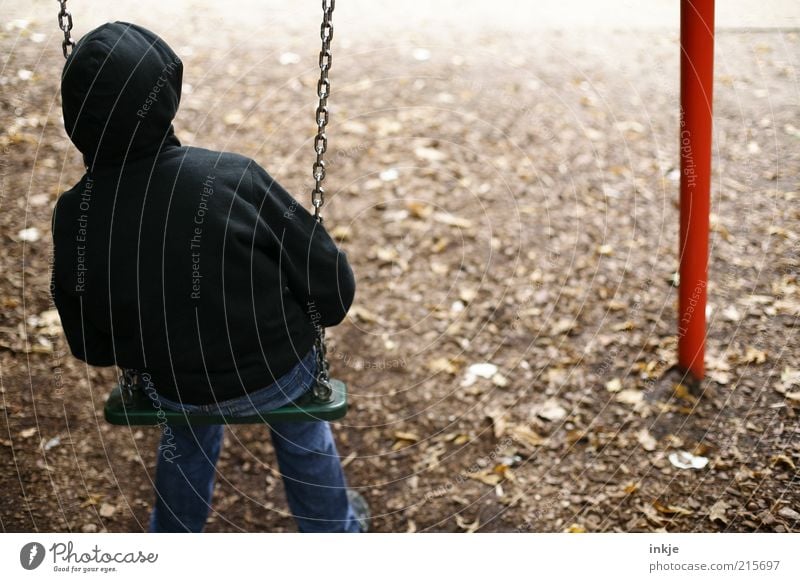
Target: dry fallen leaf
[
  {"x": 439, "y": 244},
  {"x": 445, "y": 365},
  {"x": 475, "y": 371},
  {"x": 629, "y": 396},
  {"x": 406, "y": 436},
  {"x": 451, "y": 220},
  {"x": 793, "y": 397},
  {"x": 652, "y": 515},
  {"x": 550, "y": 410},
  {"x": 430, "y": 154},
  {"x": 342, "y": 233},
  {"x": 614, "y": 385},
  {"x": 731, "y": 313},
  {"x": 496, "y": 417},
  {"x": 631, "y": 487},
  {"x": 782, "y": 460},
  {"x": 753, "y": 356},
  {"x": 461, "y": 439},
  {"x": 28, "y": 432},
  {"x": 234, "y": 117},
  {"x": 467, "y": 295},
  {"x": 789, "y": 513},
  {"x": 646, "y": 440},
  {"x": 490, "y": 477},
  {"x": 107, "y": 510},
  {"x": 49, "y": 322},
  {"x": 386, "y": 254},
  {"x": 718, "y": 511},
  {"x": 671, "y": 509},
  {"x": 500, "y": 381},
  {"x": 468, "y": 527},
  {"x": 419, "y": 209},
  {"x": 526, "y": 437},
  {"x": 682, "y": 391},
  {"x": 362, "y": 314},
  {"x": 404, "y": 439}
]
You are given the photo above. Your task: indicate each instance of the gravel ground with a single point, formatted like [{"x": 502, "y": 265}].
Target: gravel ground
[{"x": 508, "y": 197}]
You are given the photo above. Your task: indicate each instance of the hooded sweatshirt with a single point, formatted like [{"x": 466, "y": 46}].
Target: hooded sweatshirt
[{"x": 192, "y": 265}]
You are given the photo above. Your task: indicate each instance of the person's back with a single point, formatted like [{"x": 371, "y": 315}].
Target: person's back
[
  {"x": 199, "y": 271},
  {"x": 194, "y": 263}
]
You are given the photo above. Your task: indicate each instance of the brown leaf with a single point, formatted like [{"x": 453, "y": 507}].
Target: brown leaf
[
  {"x": 404, "y": 439},
  {"x": 550, "y": 410},
  {"x": 793, "y": 397},
  {"x": 527, "y": 437},
  {"x": 652, "y": 515},
  {"x": 451, "y": 220},
  {"x": 782, "y": 460},
  {"x": 490, "y": 477},
  {"x": 671, "y": 509},
  {"x": 406, "y": 436},
  {"x": 630, "y": 396},
  {"x": 445, "y": 365},
  {"x": 498, "y": 423},
  {"x": 682, "y": 392},
  {"x": 342, "y": 233},
  {"x": 647, "y": 440},
  {"x": 717, "y": 512},
  {"x": 753, "y": 356},
  {"x": 419, "y": 209},
  {"x": 430, "y": 154},
  {"x": 362, "y": 314},
  {"x": 461, "y": 439},
  {"x": 631, "y": 487},
  {"x": 468, "y": 527},
  {"x": 28, "y": 432},
  {"x": 467, "y": 295}
]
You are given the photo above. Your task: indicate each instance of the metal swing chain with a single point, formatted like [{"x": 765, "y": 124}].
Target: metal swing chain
[
  {"x": 65, "y": 24},
  {"x": 323, "y": 92},
  {"x": 322, "y": 389}
]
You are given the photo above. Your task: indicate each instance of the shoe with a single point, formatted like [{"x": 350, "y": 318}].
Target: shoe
[{"x": 360, "y": 509}]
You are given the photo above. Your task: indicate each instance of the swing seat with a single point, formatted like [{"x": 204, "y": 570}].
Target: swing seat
[{"x": 141, "y": 411}]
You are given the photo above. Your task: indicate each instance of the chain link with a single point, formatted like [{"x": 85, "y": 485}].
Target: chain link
[
  {"x": 128, "y": 381},
  {"x": 65, "y": 24},
  {"x": 323, "y": 92},
  {"x": 322, "y": 388}
]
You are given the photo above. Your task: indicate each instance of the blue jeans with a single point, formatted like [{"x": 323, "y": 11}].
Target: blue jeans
[{"x": 307, "y": 458}]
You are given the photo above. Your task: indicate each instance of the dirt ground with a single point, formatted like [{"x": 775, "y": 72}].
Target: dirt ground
[{"x": 507, "y": 197}]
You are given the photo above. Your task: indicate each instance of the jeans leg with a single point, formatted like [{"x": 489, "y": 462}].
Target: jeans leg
[
  {"x": 187, "y": 459},
  {"x": 313, "y": 477}
]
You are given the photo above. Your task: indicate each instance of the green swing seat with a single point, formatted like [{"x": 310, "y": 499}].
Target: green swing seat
[{"x": 141, "y": 411}]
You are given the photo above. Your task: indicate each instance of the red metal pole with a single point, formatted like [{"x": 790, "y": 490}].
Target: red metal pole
[{"x": 697, "y": 81}]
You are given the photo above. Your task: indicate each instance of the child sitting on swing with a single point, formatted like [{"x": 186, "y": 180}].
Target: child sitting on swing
[{"x": 196, "y": 268}]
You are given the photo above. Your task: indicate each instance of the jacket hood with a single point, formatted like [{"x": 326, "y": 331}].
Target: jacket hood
[{"x": 120, "y": 91}]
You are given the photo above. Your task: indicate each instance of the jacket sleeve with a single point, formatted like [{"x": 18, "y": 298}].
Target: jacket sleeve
[
  {"x": 317, "y": 271},
  {"x": 86, "y": 342}
]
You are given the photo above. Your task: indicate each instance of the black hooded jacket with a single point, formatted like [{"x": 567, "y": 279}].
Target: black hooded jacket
[{"x": 193, "y": 265}]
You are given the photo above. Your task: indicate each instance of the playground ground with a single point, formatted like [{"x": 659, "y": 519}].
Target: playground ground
[{"x": 507, "y": 196}]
